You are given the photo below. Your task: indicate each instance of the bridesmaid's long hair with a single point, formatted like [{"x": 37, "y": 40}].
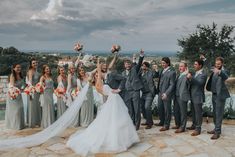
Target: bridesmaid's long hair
[
  {"x": 30, "y": 63},
  {"x": 14, "y": 73},
  {"x": 43, "y": 70},
  {"x": 80, "y": 68},
  {"x": 58, "y": 69}
]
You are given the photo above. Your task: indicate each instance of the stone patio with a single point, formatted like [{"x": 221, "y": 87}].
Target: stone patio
[{"x": 153, "y": 144}]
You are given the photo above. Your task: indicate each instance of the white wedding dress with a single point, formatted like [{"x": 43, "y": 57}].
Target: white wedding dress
[{"x": 111, "y": 131}]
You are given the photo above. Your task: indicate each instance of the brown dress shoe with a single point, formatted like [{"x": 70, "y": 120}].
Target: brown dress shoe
[
  {"x": 180, "y": 130},
  {"x": 195, "y": 133},
  {"x": 175, "y": 127},
  {"x": 191, "y": 128},
  {"x": 211, "y": 132},
  {"x": 215, "y": 136},
  {"x": 164, "y": 129},
  {"x": 148, "y": 127}
]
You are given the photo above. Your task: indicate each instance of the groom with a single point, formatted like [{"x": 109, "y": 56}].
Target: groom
[{"x": 133, "y": 85}]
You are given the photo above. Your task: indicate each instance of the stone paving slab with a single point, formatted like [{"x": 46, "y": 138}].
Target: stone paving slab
[{"x": 153, "y": 144}]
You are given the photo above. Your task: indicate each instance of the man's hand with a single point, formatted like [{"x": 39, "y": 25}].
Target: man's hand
[
  {"x": 216, "y": 71},
  {"x": 164, "y": 96},
  {"x": 116, "y": 91},
  {"x": 189, "y": 76},
  {"x": 141, "y": 52}
]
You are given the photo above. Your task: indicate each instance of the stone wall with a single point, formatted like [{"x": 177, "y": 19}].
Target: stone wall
[{"x": 3, "y": 88}]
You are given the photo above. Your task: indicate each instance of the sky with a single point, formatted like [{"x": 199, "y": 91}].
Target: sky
[{"x": 154, "y": 25}]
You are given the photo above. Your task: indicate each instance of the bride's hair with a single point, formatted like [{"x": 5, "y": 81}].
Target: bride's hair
[{"x": 92, "y": 78}]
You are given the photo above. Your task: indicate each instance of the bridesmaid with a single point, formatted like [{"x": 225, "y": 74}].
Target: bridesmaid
[
  {"x": 33, "y": 108},
  {"x": 14, "y": 117},
  {"x": 87, "y": 109},
  {"x": 62, "y": 80},
  {"x": 72, "y": 84},
  {"x": 48, "y": 115}
]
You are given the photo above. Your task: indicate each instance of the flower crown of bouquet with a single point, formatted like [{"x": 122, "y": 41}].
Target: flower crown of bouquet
[
  {"x": 29, "y": 90},
  {"x": 60, "y": 92},
  {"x": 39, "y": 87},
  {"x": 115, "y": 48},
  {"x": 78, "y": 47},
  {"x": 13, "y": 92},
  {"x": 74, "y": 92}
]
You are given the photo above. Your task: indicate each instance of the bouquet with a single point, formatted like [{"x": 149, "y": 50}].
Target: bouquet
[
  {"x": 115, "y": 48},
  {"x": 13, "y": 92},
  {"x": 39, "y": 88},
  {"x": 78, "y": 47},
  {"x": 29, "y": 90},
  {"x": 60, "y": 92},
  {"x": 74, "y": 92}
]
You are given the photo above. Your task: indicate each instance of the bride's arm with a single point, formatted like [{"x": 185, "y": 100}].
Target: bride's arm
[{"x": 99, "y": 82}]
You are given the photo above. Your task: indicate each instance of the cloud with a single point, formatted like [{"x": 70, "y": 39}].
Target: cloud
[{"x": 150, "y": 24}]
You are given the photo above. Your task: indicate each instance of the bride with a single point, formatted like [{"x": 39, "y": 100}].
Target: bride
[{"x": 112, "y": 130}]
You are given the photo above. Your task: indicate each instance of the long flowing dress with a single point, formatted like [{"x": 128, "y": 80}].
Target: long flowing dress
[
  {"x": 71, "y": 87},
  {"x": 111, "y": 131},
  {"x": 34, "y": 111},
  {"x": 61, "y": 104},
  {"x": 14, "y": 117},
  {"x": 87, "y": 109},
  {"x": 48, "y": 114}
]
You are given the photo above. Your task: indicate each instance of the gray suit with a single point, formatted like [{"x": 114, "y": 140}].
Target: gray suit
[
  {"x": 216, "y": 84},
  {"x": 197, "y": 93},
  {"x": 116, "y": 81},
  {"x": 166, "y": 85},
  {"x": 182, "y": 96},
  {"x": 148, "y": 93},
  {"x": 133, "y": 85}
]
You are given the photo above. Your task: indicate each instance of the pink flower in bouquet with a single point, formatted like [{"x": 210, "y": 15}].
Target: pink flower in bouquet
[
  {"x": 74, "y": 92},
  {"x": 13, "y": 92},
  {"x": 39, "y": 88},
  {"x": 29, "y": 90},
  {"x": 115, "y": 48},
  {"x": 78, "y": 47},
  {"x": 60, "y": 92}
]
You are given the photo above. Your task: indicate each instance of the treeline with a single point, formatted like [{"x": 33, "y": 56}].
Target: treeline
[
  {"x": 212, "y": 42},
  {"x": 11, "y": 55}
]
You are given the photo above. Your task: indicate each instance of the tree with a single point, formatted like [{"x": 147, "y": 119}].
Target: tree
[{"x": 211, "y": 42}]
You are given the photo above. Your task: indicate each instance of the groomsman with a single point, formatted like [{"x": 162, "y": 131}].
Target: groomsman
[
  {"x": 133, "y": 85},
  {"x": 165, "y": 90},
  {"x": 197, "y": 83},
  {"x": 216, "y": 84},
  {"x": 148, "y": 92},
  {"x": 182, "y": 96}
]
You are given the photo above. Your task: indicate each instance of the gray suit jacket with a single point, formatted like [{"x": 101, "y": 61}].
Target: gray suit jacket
[
  {"x": 167, "y": 83},
  {"x": 147, "y": 79},
  {"x": 133, "y": 81},
  {"x": 182, "y": 88},
  {"x": 197, "y": 88},
  {"x": 221, "y": 89},
  {"x": 115, "y": 80}
]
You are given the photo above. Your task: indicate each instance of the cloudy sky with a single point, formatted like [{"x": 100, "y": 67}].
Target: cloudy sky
[{"x": 148, "y": 24}]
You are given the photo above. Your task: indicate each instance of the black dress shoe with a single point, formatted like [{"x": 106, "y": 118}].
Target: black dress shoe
[
  {"x": 159, "y": 124},
  {"x": 215, "y": 136},
  {"x": 211, "y": 132},
  {"x": 144, "y": 123},
  {"x": 191, "y": 128}
]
